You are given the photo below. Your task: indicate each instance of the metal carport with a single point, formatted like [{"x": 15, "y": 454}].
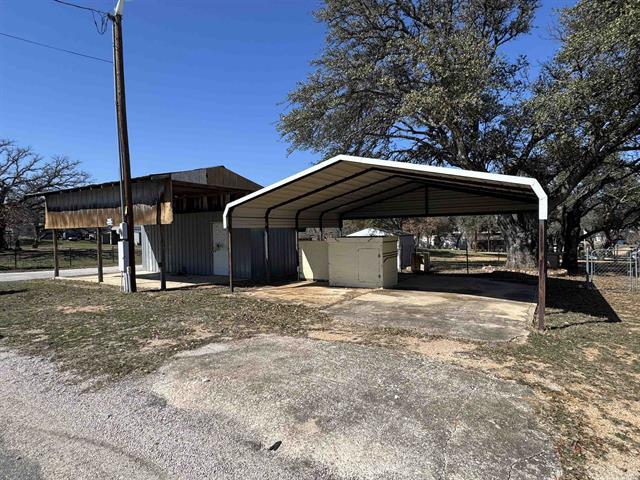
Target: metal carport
[{"x": 347, "y": 188}]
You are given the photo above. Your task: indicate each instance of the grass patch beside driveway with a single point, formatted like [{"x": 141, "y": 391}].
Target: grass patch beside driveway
[
  {"x": 99, "y": 332},
  {"x": 585, "y": 369}
]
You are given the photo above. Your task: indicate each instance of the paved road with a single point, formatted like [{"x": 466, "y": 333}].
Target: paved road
[
  {"x": 272, "y": 408},
  {"x": 43, "y": 274}
]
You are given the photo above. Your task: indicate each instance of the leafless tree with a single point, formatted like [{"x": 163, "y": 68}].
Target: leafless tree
[{"x": 23, "y": 173}]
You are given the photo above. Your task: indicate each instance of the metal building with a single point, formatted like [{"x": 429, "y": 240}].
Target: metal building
[{"x": 181, "y": 218}]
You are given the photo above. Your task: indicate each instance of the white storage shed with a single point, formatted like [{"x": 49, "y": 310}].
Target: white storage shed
[
  {"x": 364, "y": 262},
  {"x": 406, "y": 243}
]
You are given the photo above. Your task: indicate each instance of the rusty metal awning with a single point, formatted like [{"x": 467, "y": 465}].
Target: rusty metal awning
[
  {"x": 153, "y": 196},
  {"x": 347, "y": 187}
]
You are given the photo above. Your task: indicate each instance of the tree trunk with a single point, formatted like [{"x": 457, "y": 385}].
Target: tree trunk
[
  {"x": 520, "y": 241},
  {"x": 571, "y": 239}
]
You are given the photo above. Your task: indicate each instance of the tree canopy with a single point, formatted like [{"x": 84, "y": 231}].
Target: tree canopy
[{"x": 427, "y": 81}]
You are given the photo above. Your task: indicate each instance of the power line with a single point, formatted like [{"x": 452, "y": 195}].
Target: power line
[
  {"x": 81, "y": 7},
  {"x": 100, "y": 18},
  {"x": 56, "y": 48}
]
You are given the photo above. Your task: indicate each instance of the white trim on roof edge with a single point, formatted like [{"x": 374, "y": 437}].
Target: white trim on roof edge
[{"x": 496, "y": 177}]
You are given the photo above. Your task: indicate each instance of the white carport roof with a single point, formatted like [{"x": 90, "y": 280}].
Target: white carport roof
[{"x": 346, "y": 187}]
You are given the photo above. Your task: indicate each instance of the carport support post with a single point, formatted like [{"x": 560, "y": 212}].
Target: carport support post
[
  {"x": 267, "y": 266},
  {"x": 230, "y": 250},
  {"x": 56, "y": 261},
  {"x": 99, "y": 254},
  {"x": 542, "y": 273},
  {"x": 297, "y": 249}
]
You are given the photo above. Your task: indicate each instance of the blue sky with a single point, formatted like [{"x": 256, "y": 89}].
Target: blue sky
[{"x": 206, "y": 81}]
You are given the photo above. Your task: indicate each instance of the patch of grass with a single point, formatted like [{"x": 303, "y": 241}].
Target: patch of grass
[
  {"x": 586, "y": 368},
  {"x": 99, "y": 332}
]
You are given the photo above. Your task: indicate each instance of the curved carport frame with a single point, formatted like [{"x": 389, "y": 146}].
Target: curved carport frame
[{"x": 347, "y": 188}]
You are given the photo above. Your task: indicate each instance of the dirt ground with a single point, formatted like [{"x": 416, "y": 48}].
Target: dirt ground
[{"x": 583, "y": 372}]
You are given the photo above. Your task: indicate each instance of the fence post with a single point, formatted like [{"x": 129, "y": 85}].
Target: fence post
[
  {"x": 99, "y": 253},
  {"x": 69, "y": 257},
  {"x": 56, "y": 261},
  {"x": 588, "y": 266},
  {"x": 15, "y": 259},
  {"x": 467, "y": 244}
]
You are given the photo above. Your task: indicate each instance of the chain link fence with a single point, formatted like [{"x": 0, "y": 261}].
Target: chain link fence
[
  {"x": 461, "y": 261},
  {"x": 616, "y": 268}
]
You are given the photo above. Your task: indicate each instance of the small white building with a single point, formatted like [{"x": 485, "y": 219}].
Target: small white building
[
  {"x": 361, "y": 262},
  {"x": 406, "y": 244}
]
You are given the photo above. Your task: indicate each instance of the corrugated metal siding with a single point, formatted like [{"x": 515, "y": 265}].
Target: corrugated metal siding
[
  {"x": 248, "y": 253},
  {"x": 189, "y": 248},
  {"x": 407, "y": 248},
  {"x": 282, "y": 252},
  {"x": 188, "y": 244},
  {"x": 149, "y": 262}
]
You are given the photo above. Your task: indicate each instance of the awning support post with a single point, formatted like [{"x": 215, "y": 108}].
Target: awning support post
[
  {"x": 99, "y": 254},
  {"x": 161, "y": 263},
  {"x": 230, "y": 250},
  {"x": 56, "y": 260},
  {"x": 542, "y": 274}
]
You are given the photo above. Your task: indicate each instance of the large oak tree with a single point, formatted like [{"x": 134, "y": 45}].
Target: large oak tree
[{"x": 426, "y": 81}]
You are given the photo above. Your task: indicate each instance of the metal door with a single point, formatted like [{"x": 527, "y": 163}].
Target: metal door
[{"x": 368, "y": 265}]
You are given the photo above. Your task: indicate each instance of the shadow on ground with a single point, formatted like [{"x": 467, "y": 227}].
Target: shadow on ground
[
  {"x": 11, "y": 292},
  {"x": 568, "y": 295}
]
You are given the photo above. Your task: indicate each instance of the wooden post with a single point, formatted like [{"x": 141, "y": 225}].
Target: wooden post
[
  {"x": 542, "y": 273},
  {"x": 230, "y": 250},
  {"x": 126, "y": 203},
  {"x": 99, "y": 254},
  {"x": 56, "y": 260},
  {"x": 161, "y": 263}
]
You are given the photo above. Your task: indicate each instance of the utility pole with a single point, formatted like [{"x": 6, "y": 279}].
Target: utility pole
[{"x": 126, "y": 198}]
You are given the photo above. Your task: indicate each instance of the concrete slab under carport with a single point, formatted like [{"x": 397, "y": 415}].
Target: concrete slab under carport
[
  {"x": 457, "y": 307},
  {"x": 352, "y": 411},
  {"x": 445, "y": 305}
]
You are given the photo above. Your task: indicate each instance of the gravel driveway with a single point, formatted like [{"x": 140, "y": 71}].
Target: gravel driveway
[{"x": 339, "y": 411}]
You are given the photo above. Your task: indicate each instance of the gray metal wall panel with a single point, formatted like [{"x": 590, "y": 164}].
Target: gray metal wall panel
[
  {"x": 282, "y": 252},
  {"x": 188, "y": 244},
  {"x": 189, "y": 248},
  {"x": 242, "y": 253},
  {"x": 149, "y": 263}
]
